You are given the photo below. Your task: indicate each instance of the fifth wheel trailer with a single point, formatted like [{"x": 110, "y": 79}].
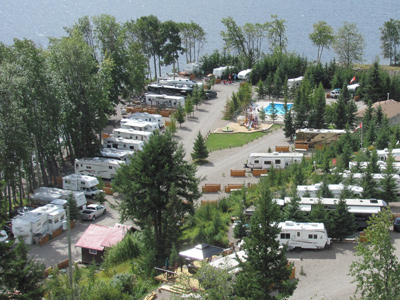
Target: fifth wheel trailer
[{"x": 98, "y": 166}]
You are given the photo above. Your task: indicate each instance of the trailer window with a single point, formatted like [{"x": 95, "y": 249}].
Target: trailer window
[
  {"x": 312, "y": 236},
  {"x": 277, "y": 161},
  {"x": 88, "y": 167},
  {"x": 256, "y": 161},
  {"x": 110, "y": 167},
  {"x": 298, "y": 233},
  {"x": 285, "y": 236},
  {"x": 267, "y": 162}
]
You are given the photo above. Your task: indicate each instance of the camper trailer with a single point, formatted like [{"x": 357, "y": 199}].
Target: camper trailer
[
  {"x": 169, "y": 89},
  {"x": 131, "y": 134},
  {"x": 244, "y": 75},
  {"x": 144, "y": 116},
  {"x": 83, "y": 183},
  {"x": 294, "y": 83},
  {"x": 192, "y": 68},
  {"x": 124, "y": 144},
  {"x": 274, "y": 159},
  {"x": 45, "y": 195},
  {"x": 178, "y": 81},
  {"x": 164, "y": 100},
  {"x": 221, "y": 71},
  {"x": 317, "y": 137},
  {"x": 303, "y": 235},
  {"x": 381, "y": 164},
  {"x": 139, "y": 125},
  {"x": 98, "y": 166},
  {"x": 377, "y": 177},
  {"x": 336, "y": 189},
  {"x": 33, "y": 225},
  {"x": 118, "y": 154},
  {"x": 384, "y": 154}
]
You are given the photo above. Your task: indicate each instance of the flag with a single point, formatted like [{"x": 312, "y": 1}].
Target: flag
[
  {"x": 354, "y": 79},
  {"x": 358, "y": 127}
]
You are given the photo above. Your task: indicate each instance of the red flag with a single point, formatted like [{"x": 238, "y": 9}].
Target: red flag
[
  {"x": 354, "y": 79},
  {"x": 358, "y": 127}
]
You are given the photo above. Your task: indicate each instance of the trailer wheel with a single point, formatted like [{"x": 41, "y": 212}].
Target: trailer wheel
[
  {"x": 94, "y": 218},
  {"x": 104, "y": 212}
]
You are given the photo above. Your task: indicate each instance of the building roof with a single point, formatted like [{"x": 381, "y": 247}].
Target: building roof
[
  {"x": 390, "y": 108},
  {"x": 97, "y": 237}
]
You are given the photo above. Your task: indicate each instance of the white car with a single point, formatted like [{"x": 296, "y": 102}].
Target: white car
[{"x": 93, "y": 211}]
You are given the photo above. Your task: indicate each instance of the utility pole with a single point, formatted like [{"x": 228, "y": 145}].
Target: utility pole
[{"x": 69, "y": 248}]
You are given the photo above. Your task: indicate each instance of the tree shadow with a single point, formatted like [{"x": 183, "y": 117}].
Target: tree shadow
[{"x": 185, "y": 128}]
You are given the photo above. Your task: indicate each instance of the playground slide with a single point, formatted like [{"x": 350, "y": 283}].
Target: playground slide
[{"x": 251, "y": 123}]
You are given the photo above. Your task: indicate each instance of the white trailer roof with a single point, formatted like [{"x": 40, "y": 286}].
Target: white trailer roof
[
  {"x": 311, "y": 130},
  {"x": 290, "y": 225},
  {"x": 334, "y": 201},
  {"x": 277, "y": 155}
]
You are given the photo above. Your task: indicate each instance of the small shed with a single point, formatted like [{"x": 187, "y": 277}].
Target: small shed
[{"x": 98, "y": 237}]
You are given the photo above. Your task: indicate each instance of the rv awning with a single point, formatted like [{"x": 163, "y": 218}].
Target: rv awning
[{"x": 364, "y": 210}]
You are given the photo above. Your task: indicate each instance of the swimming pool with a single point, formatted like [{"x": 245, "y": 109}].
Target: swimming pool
[{"x": 278, "y": 107}]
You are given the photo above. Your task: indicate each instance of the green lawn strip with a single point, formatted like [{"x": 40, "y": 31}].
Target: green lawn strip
[{"x": 218, "y": 141}]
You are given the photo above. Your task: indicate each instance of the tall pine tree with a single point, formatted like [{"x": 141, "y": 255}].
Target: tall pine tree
[{"x": 200, "y": 151}]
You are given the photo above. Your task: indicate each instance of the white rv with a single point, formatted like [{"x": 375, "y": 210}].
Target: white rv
[
  {"x": 381, "y": 164},
  {"x": 124, "y": 144},
  {"x": 45, "y": 195},
  {"x": 84, "y": 183},
  {"x": 98, "y": 166},
  {"x": 131, "y": 134},
  {"x": 336, "y": 189},
  {"x": 192, "y": 68},
  {"x": 377, "y": 177},
  {"x": 245, "y": 74},
  {"x": 220, "y": 72},
  {"x": 38, "y": 222},
  {"x": 118, "y": 154},
  {"x": 294, "y": 83},
  {"x": 274, "y": 159},
  {"x": 169, "y": 89},
  {"x": 145, "y": 116},
  {"x": 139, "y": 125},
  {"x": 384, "y": 154},
  {"x": 303, "y": 235},
  {"x": 178, "y": 81},
  {"x": 164, "y": 100}
]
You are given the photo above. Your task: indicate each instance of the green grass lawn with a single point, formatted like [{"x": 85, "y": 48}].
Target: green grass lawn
[{"x": 217, "y": 141}]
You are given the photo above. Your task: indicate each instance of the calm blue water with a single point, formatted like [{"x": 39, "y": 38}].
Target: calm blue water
[
  {"x": 278, "y": 107},
  {"x": 40, "y": 19}
]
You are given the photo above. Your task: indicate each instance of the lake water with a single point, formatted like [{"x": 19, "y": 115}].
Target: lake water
[{"x": 39, "y": 19}]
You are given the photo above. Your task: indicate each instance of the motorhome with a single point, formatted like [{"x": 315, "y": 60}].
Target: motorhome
[
  {"x": 244, "y": 75},
  {"x": 169, "y": 89},
  {"x": 145, "y": 116},
  {"x": 33, "y": 225},
  {"x": 294, "y": 83},
  {"x": 139, "y": 125},
  {"x": 131, "y": 134},
  {"x": 98, "y": 166},
  {"x": 361, "y": 208},
  {"x": 45, "y": 195},
  {"x": 124, "y": 144},
  {"x": 317, "y": 137},
  {"x": 274, "y": 159},
  {"x": 178, "y": 81},
  {"x": 303, "y": 235},
  {"x": 336, "y": 189},
  {"x": 83, "y": 183},
  {"x": 118, "y": 154},
  {"x": 164, "y": 100}
]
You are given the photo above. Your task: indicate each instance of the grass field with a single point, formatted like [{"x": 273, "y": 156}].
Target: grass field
[{"x": 218, "y": 141}]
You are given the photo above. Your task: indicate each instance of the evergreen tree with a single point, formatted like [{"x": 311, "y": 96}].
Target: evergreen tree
[
  {"x": 317, "y": 114},
  {"x": 377, "y": 272},
  {"x": 289, "y": 129},
  {"x": 324, "y": 191},
  {"x": 319, "y": 214},
  {"x": 73, "y": 208},
  {"x": 388, "y": 184},
  {"x": 375, "y": 88},
  {"x": 241, "y": 230},
  {"x": 180, "y": 115},
  {"x": 292, "y": 211},
  {"x": 200, "y": 151},
  {"x": 189, "y": 105},
  {"x": 274, "y": 112},
  {"x": 368, "y": 184},
  {"x": 265, "y": 273},
  {"x": 262, "y": 114},
  {"x": 268, "y": 85},
  {"x": 260, "y": 90},
  {"x": 342, "y": 221}
]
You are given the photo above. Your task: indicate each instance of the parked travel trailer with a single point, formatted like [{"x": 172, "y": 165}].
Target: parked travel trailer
[
  {"x": 124, "y": 144},
  {"x": 118, "y": 154},
  {"x": 131, "y": 134},
  {"x": 377, "y": 177},
  {"x": 303, "y": 235},
  {"x": 139, "y": 125},
  {"x": 145, "y": 116},
  {"x": 98, "y": 166},
  {"x": 169, "y": 89},
  {"x": 245, "y": 74},
  {"x": 294, "y": 83},
  {"x": 314, "y": 137},
  {"x": 178, "y": 81},
  {"x": 35, "y": 224},
  {"x": 45, "y": 195},
  {"x": 361, "y": 208},
  {"x": 274, "y": 159},
  {"x": 164, "y": 100},
  {"x": 382, "y": 165},
  {"x": 336, "y": 189},
  {"x": 384, "y": 154},
  {"x": 221, "y": 71},
  {"x": 83, "y": 183},
  {"x": 192, "y": 68}
]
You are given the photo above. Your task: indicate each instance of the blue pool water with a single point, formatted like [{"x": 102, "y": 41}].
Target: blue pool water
[{"x": 278, "y": 107}]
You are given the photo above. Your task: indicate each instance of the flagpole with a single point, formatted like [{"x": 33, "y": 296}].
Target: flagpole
[{"x": 362, "y": 130}]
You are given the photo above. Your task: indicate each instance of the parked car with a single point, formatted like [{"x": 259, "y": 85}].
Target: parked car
[
  {"x": 396, "y": 225},
  {"x": 335, "y": 93},
  {"x": 210, "y": 94},
  {"x": 93, "y": 211}
]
